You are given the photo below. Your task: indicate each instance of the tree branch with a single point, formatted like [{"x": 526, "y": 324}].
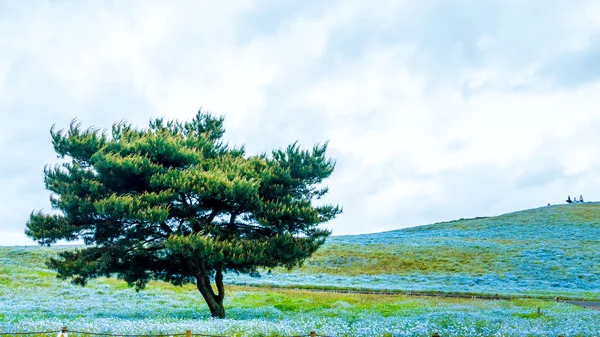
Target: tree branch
[
  {"x": 212, "y": 216},
  {"x": 166, "y": 228},
  {"x": 255, "y": 228}
]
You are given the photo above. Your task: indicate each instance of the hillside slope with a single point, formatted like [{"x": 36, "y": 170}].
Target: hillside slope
[
  {"x": 33, "y": 299},
  {"x": 548, "y": 251}
]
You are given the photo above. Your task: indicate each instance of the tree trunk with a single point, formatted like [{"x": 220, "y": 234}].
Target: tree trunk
[{"x": 213, "y": 300}]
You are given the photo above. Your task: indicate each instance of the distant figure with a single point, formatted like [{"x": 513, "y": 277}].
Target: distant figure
[
  {"x": 548, "y": 204},
  {"x": 569, "y": 199},
  {"x": 580, "y": 198}
]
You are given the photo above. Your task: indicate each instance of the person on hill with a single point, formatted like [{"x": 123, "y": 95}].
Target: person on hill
[
  {"x": 569, "y": 200},
  {"x": 580, "y": 198}
]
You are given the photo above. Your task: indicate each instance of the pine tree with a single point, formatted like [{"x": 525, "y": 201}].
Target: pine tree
[{"x": 173, "y": 202}]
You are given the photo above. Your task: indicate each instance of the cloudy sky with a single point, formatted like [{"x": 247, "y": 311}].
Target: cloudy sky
[{"x": 434, "y": 110}]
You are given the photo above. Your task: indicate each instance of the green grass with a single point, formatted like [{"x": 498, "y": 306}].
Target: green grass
[
  {"x": 288, "y": 300},
  {"x": 33, "y": 299},
  {"x": 383, "y": 259}
]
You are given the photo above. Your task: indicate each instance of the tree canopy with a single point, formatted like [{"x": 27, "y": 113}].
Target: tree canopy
[{"x": 174, "y": 202}]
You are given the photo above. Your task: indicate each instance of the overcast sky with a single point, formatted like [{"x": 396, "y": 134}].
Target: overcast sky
[{"x": 434, "y": 110}]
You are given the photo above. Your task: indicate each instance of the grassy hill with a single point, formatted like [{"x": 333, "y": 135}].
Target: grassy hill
[
  {"x": 551, "y": 250},
  {"x": 33, "y": 299},
  {"x": 543, "y": 252}
]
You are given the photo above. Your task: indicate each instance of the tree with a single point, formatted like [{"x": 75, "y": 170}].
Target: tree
[{"x": 173, "y": 202}]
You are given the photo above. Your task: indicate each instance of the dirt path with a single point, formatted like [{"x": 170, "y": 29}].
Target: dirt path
[
  {"x": 594, "y": 304},
  {"x": 587, "y": 304}
]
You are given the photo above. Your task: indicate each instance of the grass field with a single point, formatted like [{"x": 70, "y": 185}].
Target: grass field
[{"x": 547, "y": 251}]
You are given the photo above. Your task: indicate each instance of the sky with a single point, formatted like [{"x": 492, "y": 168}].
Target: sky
[{"x": 433, "y": 110}]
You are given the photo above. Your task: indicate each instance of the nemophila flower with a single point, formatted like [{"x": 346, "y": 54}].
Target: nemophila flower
[
  {"x": 556, "y": 258},
  {"x": 476, "y": 318}
]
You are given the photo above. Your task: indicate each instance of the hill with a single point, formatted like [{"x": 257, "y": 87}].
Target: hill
[
  {"x": 541, "y": 252},
  {"x": 544, "y": 252},
  {"x": 33, "y": 299}
]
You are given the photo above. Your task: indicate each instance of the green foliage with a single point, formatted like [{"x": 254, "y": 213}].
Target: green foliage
[{"x": 173, "y": 202}]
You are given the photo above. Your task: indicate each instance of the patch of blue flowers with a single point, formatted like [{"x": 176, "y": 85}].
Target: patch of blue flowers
[
  {"x": 552, "y": 251},
  {"x": 549, "y": 251}
]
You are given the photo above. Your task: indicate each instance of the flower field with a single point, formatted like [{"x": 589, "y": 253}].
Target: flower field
[
  {"x": 546, "y": 252},
  {"x": 32, "y": 299},
  {"x": 550, "y": 251}
]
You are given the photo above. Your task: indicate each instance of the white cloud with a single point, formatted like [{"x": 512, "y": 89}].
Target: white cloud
[
  {"x": 15, "y": 239},
  {"x": 433, "y": 111}
]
